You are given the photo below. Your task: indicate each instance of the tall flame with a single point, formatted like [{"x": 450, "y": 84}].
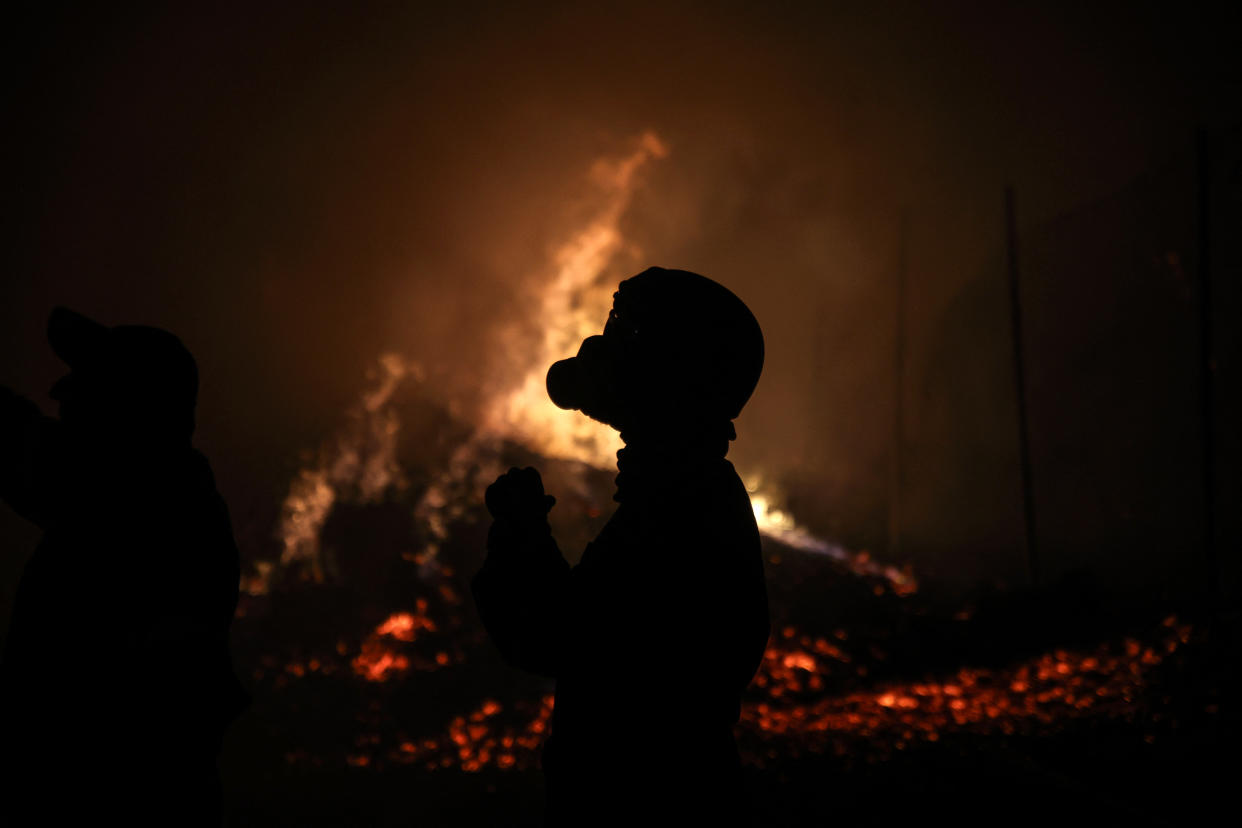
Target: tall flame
[{"x": 573, "y": 303}]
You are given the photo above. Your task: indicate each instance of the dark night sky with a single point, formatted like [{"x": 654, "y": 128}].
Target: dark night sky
[{"x": 294, "y": 192}]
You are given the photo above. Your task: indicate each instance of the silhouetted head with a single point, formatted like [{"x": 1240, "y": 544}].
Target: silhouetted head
[
  {"x": 679, "y": 352},
  {"x": 130, "y": 385}
]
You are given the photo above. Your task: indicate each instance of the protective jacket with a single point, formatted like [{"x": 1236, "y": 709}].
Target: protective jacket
[
  {"x": 651, "y": 639},
  {"x": 116, "y": 683}
]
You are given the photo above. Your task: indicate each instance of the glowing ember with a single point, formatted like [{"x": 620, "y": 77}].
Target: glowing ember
[
  {"x": 1038, "y": 695},
  {"x": 378, "y": 663},
  {"x": 380, "y": 659},
  {"x": 796, "y": 706},
  {"x": 480, "y": 739},
  {"x": 405, "y": 626}
]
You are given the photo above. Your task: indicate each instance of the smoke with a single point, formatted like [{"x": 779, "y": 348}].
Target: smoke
[
  {"x": 299, "y": 193},
  {"x": 567, "y": 298}
]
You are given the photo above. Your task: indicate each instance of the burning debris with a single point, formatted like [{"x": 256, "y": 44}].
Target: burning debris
[
  {"x": 481, "y": 739},
  {"x": 814, "y": 694},
  {"x": 377, "y": 661},
  {"x": 794, "y": 709}
]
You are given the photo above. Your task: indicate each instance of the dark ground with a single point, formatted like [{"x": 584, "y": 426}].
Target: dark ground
[{"x": 1157, "y": 755}]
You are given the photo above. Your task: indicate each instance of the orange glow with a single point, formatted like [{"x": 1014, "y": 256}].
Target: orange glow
[
  {"x": 375, "y": 663},
  {"x": 811, "y": 694},
  {"x": 358, "y": 464},
  {"x": 571, "y": 301},
  {"x": 478, "y": 740},
  {"x": 405, "y": 626},
  {"x": 379, "y": 659},
  {"x": 791, "y": 708},
  {"x": 1039, "y": 694}
]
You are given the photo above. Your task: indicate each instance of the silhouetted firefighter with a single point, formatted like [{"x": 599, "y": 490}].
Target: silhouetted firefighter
[
  {"x": 116, "y": 683},
  {"x": 655, "y": 633}
]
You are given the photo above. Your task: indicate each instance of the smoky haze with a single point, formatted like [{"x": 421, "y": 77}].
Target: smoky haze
[{"x": 295, "y": 193}]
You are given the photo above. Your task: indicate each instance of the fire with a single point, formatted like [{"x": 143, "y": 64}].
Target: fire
[
  {"x": 480, "y": 739},
  {"x": 359, "y": 464},
  {"x": 572, "y": 306},
  {"x": 809, "y": 697},
  {"x": 405, "y": 626},
  {"x": 375, "y": 663},
  {"x": 794, "y": 707},
  {"x": 778, "y": 524},
  {"x": 813, "y": 694},
  {"x": 379, "y": 660}
]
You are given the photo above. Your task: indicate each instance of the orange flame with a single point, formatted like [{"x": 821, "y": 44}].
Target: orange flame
[{"x": 358, "y": 464}]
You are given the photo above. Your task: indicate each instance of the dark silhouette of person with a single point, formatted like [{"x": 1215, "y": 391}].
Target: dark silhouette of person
[
  {"x": 116, "y": 683},
  {"x": 655, "y": 633}
]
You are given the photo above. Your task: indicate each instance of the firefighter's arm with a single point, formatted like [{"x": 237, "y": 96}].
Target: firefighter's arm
[
  {"x": 26, "y": 440},
  {"x": 522, "y": 588}
]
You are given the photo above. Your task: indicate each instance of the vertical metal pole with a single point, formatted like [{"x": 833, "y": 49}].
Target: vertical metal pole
[
  {"x": 896, "y": 461},
  {"x": 1206, "y": 357},
  {"x": 1019, "y": 376}
]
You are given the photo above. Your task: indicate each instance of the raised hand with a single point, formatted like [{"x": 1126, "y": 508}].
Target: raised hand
[{"x": 517, "y": 497}]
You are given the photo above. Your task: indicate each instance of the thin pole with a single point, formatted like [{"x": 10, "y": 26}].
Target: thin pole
[
  {"x": 1207, "y": 368},
  {"x": 1019, "y": 377},
  {"x": 897, "y": 470}
]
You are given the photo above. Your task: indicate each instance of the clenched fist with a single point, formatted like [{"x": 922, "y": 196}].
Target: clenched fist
[{"x": 517, "y": 497}]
